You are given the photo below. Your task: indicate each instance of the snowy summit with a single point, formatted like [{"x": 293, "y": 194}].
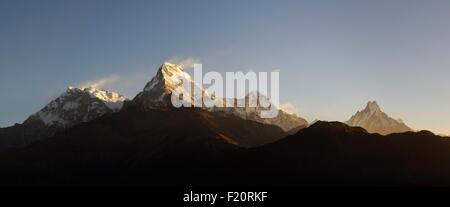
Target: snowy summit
[
  {"x": 374, "y": 120},
  {"x": 78, "y": 105}
]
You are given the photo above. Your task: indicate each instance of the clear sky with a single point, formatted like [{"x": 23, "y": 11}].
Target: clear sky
[{"x": 333, "y": 56}]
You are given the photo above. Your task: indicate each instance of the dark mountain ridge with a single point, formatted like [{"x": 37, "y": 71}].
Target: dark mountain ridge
[
  {"x": 131, "y": 141},
  {"x": 136, "y": 147},
  {"x": 332, "y": 153}
]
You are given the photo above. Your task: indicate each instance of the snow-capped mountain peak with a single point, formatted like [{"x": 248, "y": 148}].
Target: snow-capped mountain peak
[
  {"x": 77, "y": 105},
  {"x": 161, "y": 87},
  {"x": 112, "y": 99},
  {"x": 374, "y": 120},
  {"x": 170, "y": 69},
  {"x": 164, "y": 77}
]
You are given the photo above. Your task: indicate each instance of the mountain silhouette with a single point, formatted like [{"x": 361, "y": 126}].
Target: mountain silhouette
[
  {"x": 160, "y": 147},
  {"x": 136, "y": 137},
  {"x": 333, "y": 153}
]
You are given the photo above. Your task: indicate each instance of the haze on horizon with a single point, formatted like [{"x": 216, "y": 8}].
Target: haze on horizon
[{"x": 333, "y": 56}]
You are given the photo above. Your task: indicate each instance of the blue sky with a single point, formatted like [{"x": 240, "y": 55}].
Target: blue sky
[{"x": 333, "y": 56}]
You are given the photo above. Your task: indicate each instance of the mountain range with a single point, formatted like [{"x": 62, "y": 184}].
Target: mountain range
[
  {"x": 161, "y": 87},
  {"x": 91, "y": 137},
  {"x": 80, "y": 105},
  {"x": 153, "y": 148}
]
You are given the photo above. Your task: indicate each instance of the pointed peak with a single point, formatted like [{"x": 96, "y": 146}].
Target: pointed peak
[
  {"x": 169, "y": 70},
  {"x": 376, "y": 121},
  {"x": 171, "y": 67},
  {"x": 164, "y": 83},
  {"x": 373, "y": 106}
]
